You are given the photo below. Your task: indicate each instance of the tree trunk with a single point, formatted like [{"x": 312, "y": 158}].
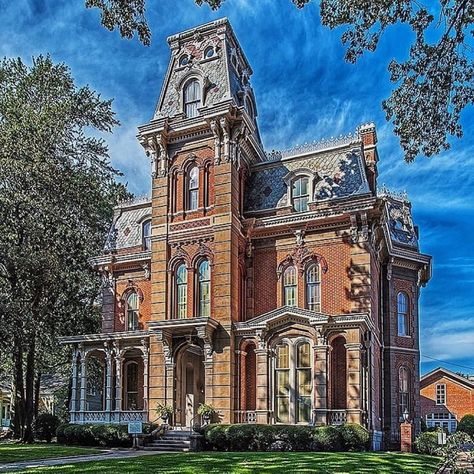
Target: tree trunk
[
  {"x": 18, "y": 390},
  {"x": 37, "y": 393},
  {"x": 28, "y": 436}
]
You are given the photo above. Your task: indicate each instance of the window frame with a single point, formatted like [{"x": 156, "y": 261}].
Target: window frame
[
  {"x": 133, "y": 314},
  {"x": 309, "y": 285},
  {"x": 286, "y": 286},
  {"x": 403, "y": 395},
  {"x": 192, "y": 188},
  {"x": 403, "y": 314},
  {"x": 441, "y": 395},
  {"x": 129, "y": 392},
  {"x": 192, "y": 104},
  {"x": 306, "y": 197},
  {"x": 146, "y": 238},
  {"x": 203, "y": 305},
  {"x": 180, "y": 289}
]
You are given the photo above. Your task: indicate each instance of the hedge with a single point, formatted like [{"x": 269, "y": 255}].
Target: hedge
[
  {"x": 247, "y": 437},
  {"x": 97, "y": 434},
  {"x": 45, "y": 426},
  {"x": 427, "y": 443},
  {"x": 467, "y": 425}
]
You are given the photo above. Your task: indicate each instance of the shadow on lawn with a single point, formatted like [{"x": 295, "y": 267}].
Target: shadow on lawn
[{"x": 250, "y": 463}]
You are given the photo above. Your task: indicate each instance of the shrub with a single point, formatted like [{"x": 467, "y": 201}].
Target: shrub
[
  {"x": 354, "y": 437},
  {"x": 466, "y": 425},
  {"x": 241, "y": 437},
  {"x": 109, "y": 435},
  {"x": 427, "y": 443},
  {"x": 264, "y": 437},
  {"x": 299, "y": 438},
  {"x": 216, "y": 436},
  {"x": 326, "y": 438},
  {"x": 45, "y": 426}
]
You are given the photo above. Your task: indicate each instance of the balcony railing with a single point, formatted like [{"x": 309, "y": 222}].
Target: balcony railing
[
  {"x": 120, "y": 417},
  {"x": 247, "y": 417},
  {"x": 337, "y": 417}
]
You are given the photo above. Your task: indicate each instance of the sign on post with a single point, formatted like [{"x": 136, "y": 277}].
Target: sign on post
[
  {"x": 135, "y": 428},
  {"x": 442, "y": 438}
]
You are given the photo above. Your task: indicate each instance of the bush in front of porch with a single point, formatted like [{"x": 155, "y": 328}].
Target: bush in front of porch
[{"x": 250, "y": 437}]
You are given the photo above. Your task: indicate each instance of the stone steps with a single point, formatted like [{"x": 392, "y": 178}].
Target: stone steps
[{"x": 173, "y": 440}]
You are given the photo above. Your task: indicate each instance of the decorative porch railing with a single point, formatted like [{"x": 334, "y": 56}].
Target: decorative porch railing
[
  {"x": 337, "y": 417},
  {"x": 247, "y": 416},
  {"x": 108, "y": 416}
]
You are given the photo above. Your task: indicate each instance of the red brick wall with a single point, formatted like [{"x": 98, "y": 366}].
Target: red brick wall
[{"x": 459, "y": 398}]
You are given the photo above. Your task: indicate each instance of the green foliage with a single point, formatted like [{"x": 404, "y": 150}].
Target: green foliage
[
  {"x": 354, "y": 437},
  {"x": 427, "y": 443},
  {"x": 327, "y": 438},
  {"x": 467, "y": 425},
  {"x": 108, "y": 435},
  {"x": 45, "y": 426},
  {"x": 249, "y": 437},
  {"x": 454, "y": 445},
  {"x": 206, "y": 410}
]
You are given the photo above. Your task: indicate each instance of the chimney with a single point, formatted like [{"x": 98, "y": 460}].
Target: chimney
[{"x": 368, "y": 137}]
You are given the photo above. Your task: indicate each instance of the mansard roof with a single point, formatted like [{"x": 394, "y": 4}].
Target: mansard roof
[{"x": 339, "y": 173}]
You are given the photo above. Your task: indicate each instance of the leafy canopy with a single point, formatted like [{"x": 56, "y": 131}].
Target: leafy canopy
[{"x": 433, "y": 85}]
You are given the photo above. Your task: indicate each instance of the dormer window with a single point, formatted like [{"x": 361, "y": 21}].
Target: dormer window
[
  {"x": 300, "y": 194},
  {"x": 192, "y": 98},
  {"x": 209, "y": 52},
  {"x": 183, "y": 60},
  {"x": 146, "y": 234}
]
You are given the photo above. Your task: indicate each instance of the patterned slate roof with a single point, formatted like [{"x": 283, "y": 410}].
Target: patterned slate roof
[
  {"x": 126, "y": 229},
  {"x": 400, "y": 222},
  {"x": 339, "y": 174}
]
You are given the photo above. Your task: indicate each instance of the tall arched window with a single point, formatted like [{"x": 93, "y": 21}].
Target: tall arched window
[
  {"x": 300, "y": 194},
  {"x": 403, "y": 383},
  {"x": 402, "y": 314},
  {"x": 313, "y": 287},
  {"x": 132, "y": 311},
  {"x": 193, "y": 189},
  {"x": 146, "y": 234},
  {"x": 303, "y": 383},
  {"x": 204, "y": 290},
  {"x": 192, "y": 98},
  {"x": 132, "y": 386},
  {"x": 289, "y": 286},
  {"x": 283, "y": 383},
  {"x": 181, "y": 291}
]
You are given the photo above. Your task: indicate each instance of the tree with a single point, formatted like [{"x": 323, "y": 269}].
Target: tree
[
  {"x": 433, "y": 85},
  {"x": 57, "y": 192}
]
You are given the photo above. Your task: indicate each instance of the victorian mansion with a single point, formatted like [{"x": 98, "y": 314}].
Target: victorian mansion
[{"x": 278, "y": 287}]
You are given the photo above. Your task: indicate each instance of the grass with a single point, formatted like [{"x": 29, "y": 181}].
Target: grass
[
  {"x": 13, "y": 452},
  {"x": 253, "y": 463}
]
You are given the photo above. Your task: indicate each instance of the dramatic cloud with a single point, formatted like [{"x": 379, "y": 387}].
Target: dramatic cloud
[{"x": 305, "y": 91}]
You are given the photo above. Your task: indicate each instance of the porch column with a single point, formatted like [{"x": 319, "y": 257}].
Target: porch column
[
  {"x": 262, "y": 385},
  {"x": 118, "y": 382},
  {"x": 73, "y": 406},
  {"x": 82, "y": 405},
  {"x": 145, "y": 379},
  {"x": 108, "y": 382},
  {"x": 354, "y": 394},
  {"x": 321, "y": 356}
]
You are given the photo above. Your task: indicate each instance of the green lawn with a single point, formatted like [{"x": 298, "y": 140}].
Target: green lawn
[
  {"x": 13, "y": 452},
  {"x": 246, "y": 463}
]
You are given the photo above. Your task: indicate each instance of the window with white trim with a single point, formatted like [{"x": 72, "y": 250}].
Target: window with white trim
[
  {"x": 300, "y": 194},
  {"x": 289, "y": 286},
  {"x": 132, "y": 311},
  {"x": 402, "y": 314},
  {"x": 313, "y": 287},
  {"x": 403, "y": 387},
  {"x": 192, "y": 98},
  {"x": 446, "y": 421},
  {"x": 146, "y": 234},
  {"x": 181, "y": 291},
  {"x": 204, "y": 290},
  {"x": 193, "y": 189},
  {"x": 440, "y": 394}
]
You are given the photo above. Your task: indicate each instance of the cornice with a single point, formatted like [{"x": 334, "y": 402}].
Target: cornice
[{"x": 120, "y": 259}]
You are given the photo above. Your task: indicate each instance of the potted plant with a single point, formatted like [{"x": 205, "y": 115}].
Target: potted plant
[
  {"x": 206, "y": 411},
  {"x": 164, "y": 411}
]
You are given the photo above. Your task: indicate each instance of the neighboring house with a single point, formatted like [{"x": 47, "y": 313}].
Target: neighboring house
[
  {"x": 445, "y": 398},
  {"x": 5, "y": 406},
  {"x": 278, "y": 287}
]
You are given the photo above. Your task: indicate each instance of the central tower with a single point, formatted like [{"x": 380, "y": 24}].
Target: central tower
[{"x": 201, "y": 142}]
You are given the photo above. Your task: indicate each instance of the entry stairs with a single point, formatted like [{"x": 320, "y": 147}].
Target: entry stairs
[{"x": 172, "y": 440}]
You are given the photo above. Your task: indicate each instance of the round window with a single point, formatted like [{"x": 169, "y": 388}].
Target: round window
[
  {"x": 184, "y": 60},
  {"x": 209, "y": 52}
]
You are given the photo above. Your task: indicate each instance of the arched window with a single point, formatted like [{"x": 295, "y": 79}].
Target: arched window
[
  {"x": 403, "y": 383},
  {"x": 193, "y": 188},
  {"x": 300, "y": 194},
  {"x": 192, "y": 98},
  {"x": 283, "y": 383},
  {"x": 402, "y": 314},
  {"x": 131, "y": 402},
  {"x": 209, "y": 52},
  {"x": 289, "y": 286},
  {"x": 303, "y": 383},
  {"x": 132, "y": 311},
  {"x": 204, "y": 289},
  {"x": 181, "y": 291},
  {"x": 313, "y": 287},
  {"x": 183, "y": 60},
  {"x": 146, "y": 234}
]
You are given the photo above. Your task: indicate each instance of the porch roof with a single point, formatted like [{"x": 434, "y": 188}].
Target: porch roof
[{"x": 103, "y": 337}]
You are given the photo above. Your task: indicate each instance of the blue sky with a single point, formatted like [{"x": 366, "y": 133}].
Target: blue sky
[{"x": 304, "y": 91}]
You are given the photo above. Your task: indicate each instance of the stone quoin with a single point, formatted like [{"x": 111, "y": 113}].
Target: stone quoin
[{"x": 278, "y": 287}]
